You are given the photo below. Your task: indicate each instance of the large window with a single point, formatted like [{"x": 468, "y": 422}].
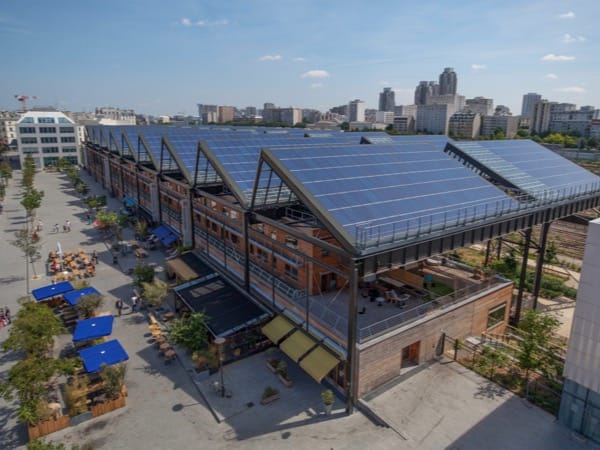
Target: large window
[
  {"x": 67, "y": 139},
  {"x": 45, "y": 119},
  {"x": 291, "y": 272},
  {"x": 28, "y": 140},
  {"x": 27, "y": 130},
  {"x": 69, "y": 149},
  {"x": 29, "y": 150},
  {"x": 49, "y": 140},
  {"x": 50, "y": 150},
  {"x": 67, "y": 130},
  {"x": 496, "y": 315},
  {"x": 48, "y": 130}
]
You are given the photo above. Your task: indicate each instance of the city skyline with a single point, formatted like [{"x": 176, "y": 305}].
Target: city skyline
[{"x": 164, "y": 59}]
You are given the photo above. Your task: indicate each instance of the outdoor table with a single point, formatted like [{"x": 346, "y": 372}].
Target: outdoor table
[
  {"x": 169, "y": 315},
  {"x": 164, "y": 347},
  {"x": 169, "y": 355},
  {"x": 156, "y": 332},
  {"x": 160, "y": 340}
]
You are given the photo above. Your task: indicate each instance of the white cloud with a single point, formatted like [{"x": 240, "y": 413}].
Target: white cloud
[
  {"x": 270, "y": 58},
  {"x": 478, "y": 66},
  {"x": 299, "y": 59},
  {"x": 557, "y": 58},
  {"x": 569, "y": 38},
  {"x": 571, "y": 90},
  {"x": 567, "y": 15},
  {"x": 316, "y": 85},
  {"x": 551, "y": 76},
  {"x": 203, "y": 23},
  {"x": 316, "y": 74}
]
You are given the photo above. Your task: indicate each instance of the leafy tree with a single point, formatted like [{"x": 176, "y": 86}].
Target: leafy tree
[
  {"x": 144, "y": 273},
  {"x": 190, "y": 332},
  {"x": 88, "y": 304},
  {"x": 30, "y": 247},
  {"x": 489, "y": 360},
  {"x": 536, "y": 333},
  {"x": 141, "y": 228},
  {"x": 114, "y": 378},
  {"x": 32, "y": 200},
  {"x": 551, "y": 252},
  {"x": 155, "y": 292},
  {"x": 33, "y": 330},
  {"x": 108, "y": 221},
  {"x": 5, "y": 172}
]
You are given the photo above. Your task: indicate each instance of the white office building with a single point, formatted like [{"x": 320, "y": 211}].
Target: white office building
[
  {"x": 580, "y": 403},
  {"x": 46, "y": 136},
  {"x": 356, "y": 111},
  {"x": 434, "y": 119}
]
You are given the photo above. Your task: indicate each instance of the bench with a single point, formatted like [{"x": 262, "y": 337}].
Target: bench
[{"x": 152, "y": 319}]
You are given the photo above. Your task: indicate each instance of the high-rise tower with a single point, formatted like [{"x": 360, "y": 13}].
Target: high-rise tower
[
  {"x": 387, "y": 100},
  {"x": 448, "y": 81}
]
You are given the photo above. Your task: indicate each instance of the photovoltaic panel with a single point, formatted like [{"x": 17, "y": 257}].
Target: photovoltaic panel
[
  {"x": 382, "y": 190},
  {"x": 530, "y": 167}
]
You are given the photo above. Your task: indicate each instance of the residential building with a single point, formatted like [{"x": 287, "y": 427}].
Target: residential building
[
  {"x": 289, "y": 115},
  {"x": 225, "y": 114},
  {"x": 580, "y": 402},
  {"x": 595, "y": 128},
  {"x": 434, "y": 118},
  {"x": 356, "y": 111},
  {"x": 529, "y": 101},
  {"x": 456, "y": 101},
  {"x": 465, "y": 125},
  {"x": 311, "y": 115},
  {"x": 540, "y": 116},
  {"x": 386, "y": 117},
  {"x": 566, "y": 118},
  {"x": 46, "y": 136},
  {"x": 480, "y": 105},
  {"x": 406, "y": 110},
  {"x": 250, "y": 111},
  {"x": 508, "y": 124},
  {"x": 387, "y": 100},
  {"x": 206, "y": 109},
  {"x": 448, "y": 81},
  {"x": 107, "y": 115},
  {"x": 404, "y": 124},
  {"x": 370, "y": 114},
  {"x": 341, "y": 110},
  {"x": 8, "y": 133},
  {"x": 502, "y": 110}
]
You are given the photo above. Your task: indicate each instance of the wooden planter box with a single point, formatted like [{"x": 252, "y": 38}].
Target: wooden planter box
[
  {"x": 267, "y": 400},
  {"x": 271, "y": 367},
  {"x": 108, "y": 406},
  {"x": 287, "y": 382},
  {"x": 50, "y": 426}
]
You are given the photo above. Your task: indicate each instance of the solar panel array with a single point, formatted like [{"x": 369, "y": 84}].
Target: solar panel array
[
  {"x": 391, "y": 188},
  {"x": 530, "y": 167}
]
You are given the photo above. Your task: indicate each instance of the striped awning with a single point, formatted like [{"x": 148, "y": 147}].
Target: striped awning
[
  {"x": 276, "y": 329},
  {"x": 297, "y": 345},
  {"x": 319, "y": 363}
]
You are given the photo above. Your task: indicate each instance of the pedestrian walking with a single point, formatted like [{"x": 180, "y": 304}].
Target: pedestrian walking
[
  {"x": 68, "y": 225},
  {"x": 95, "y": 257},
  {"x": 119, "y": 305},
  {"x": 7, "y": 315},
  {"x": 40, "y": 225},
  {"x": 134, "y": 302},
  {"x": 56, "y": 228}
]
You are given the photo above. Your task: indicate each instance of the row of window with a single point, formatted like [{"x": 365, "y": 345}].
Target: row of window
[
  {"x": 45, "y": 120},
  {"x": 46, "y": 130}
]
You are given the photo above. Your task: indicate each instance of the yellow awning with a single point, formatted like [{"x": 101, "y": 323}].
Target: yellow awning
[
  {"x": 319, "y": 363},
  {"x": 276, "y": 329},
  {"x": 297, "y": 345},
  {"x": 181, "y": 269}
]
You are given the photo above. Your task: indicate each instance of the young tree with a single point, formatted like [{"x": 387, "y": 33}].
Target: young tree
[
  {"x": 30, "y": 247},
  {"x": 114, "y": 378},
  {"x": 33, "y": 330},
  {"x": 536, "y": 331},
  {"x": 155, "y": 292},
  {"x": 88, "y": 304},
  {"x": 490, "y": 360},
  {"x": 190, "y": 332}
]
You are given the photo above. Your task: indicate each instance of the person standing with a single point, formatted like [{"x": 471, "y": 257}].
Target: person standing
[
  {"x": 40, "y": 225},
  {"x": 56, "y": 228},
  {"x": 119, "y": 305},
  {"x": 95, "y": 257},
  {"x": 7, "y": 315},
  {"x": 134, "y": 301},
  {"x": 68, "y": 225}
]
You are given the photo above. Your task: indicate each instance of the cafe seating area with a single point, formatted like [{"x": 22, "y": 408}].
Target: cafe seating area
[{"x": 70, "y": 265}]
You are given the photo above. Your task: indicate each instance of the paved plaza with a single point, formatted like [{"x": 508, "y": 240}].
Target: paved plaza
[{"x": 170, "y": 406}]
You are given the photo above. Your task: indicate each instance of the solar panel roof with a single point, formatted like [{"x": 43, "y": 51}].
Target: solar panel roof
[
  {"x": 388, "y": 189},
  {"x": 531, "y": 167}
]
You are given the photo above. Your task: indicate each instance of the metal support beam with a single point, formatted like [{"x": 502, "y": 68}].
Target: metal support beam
[
  {"x": 487, "y": 253},
  {"x": 517, "y": 316},
  {"x": 351, "y": 344},
  {"x": 540, "y": 262},
  {"x": 246, "y": 218}
]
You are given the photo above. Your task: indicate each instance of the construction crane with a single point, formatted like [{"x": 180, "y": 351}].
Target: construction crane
[{"x": 23, "y": 100}]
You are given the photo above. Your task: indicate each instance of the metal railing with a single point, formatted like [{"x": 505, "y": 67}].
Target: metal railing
[
  {"x": 438, "y": 304},
  {"x": 367, "y": 235}
]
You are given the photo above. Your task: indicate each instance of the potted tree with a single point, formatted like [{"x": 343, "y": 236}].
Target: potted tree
[
  {"x": 282, "y": 373},
  {"x": 269, "y": 395},
  {"x": 328, "y": 399},
  {"x": 273, "y": 360}
]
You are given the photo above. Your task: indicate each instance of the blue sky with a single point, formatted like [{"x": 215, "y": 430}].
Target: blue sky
[{"x": 162, "y": 57}]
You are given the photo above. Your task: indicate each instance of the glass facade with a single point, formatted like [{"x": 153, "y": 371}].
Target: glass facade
[{"x": 580, "y": 410}]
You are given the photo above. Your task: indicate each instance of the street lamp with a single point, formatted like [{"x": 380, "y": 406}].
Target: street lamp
[{"x": 219, "y": 343}]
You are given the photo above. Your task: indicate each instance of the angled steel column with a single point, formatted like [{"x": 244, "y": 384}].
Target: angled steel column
[
  {"x": 351, "y": 343},
  {"x": 487, "y": 253},
  {"x": 517, "y": 316},
  {"x": 246, "y": 219},
  {"x": 540, "y": 262}
]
